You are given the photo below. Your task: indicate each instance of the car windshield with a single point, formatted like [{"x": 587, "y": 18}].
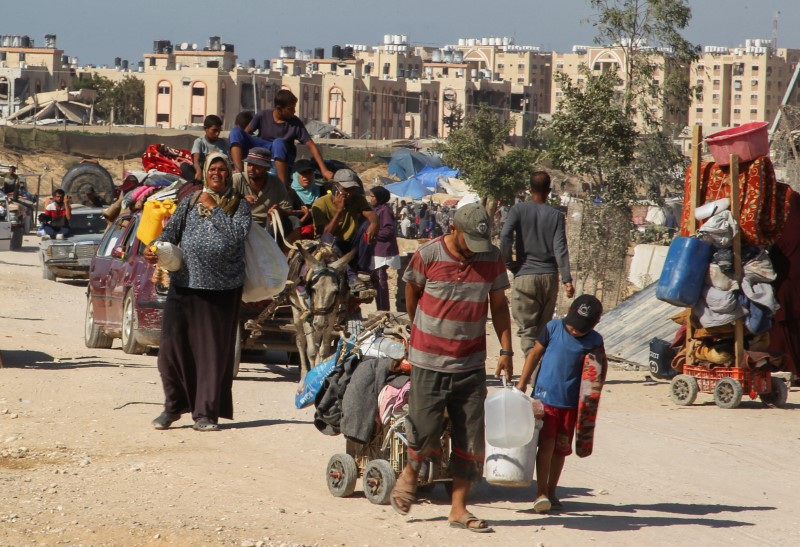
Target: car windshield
[{"x": 92, "y": 223}]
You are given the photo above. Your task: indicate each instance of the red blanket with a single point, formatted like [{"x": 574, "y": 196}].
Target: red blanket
[
  {"x": 165, "y": 159},
  {"x": 764, "y": 202}
]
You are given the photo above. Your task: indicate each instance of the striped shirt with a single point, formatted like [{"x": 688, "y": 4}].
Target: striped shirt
[{"x": 449, "y": 331}]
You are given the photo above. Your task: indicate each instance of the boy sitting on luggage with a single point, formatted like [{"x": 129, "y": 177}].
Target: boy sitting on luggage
[{"x": 561, "y": 348}]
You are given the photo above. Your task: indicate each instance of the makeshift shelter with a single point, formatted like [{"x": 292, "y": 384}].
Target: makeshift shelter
[
  {"x": 409, "y": 188},
  {"x": 406, "y": 163},
  {"x": 322, "y": 130}
]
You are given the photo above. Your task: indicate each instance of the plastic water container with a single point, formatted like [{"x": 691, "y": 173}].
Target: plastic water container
[
  {"x": 508, "y": 417},
  {"x": 684, "y": 271},
  {"x": 154, "y": 216},
  {"x": 512, "y": 467},
  {"x": 382, "y": 346}
]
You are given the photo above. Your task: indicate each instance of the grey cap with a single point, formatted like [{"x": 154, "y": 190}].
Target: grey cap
[
  {"x": 259, "y": 156},
  {"x": 346, "y": 178},
  {"x": 473, "y": 221}
]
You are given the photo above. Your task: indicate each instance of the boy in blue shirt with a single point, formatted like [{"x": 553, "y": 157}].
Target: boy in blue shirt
[
  {"x": 208, "y": 143},
  {"x": 561, "y": 347}
]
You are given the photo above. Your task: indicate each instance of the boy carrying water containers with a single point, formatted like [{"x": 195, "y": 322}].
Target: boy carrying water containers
[{"x": 561, "y": 347}]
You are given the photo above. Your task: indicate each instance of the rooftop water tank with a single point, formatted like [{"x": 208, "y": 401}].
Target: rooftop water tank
[
  {"x": 319, "y": 53},
  {"x": 336, "y": 52},
  {"x": 387, "y": 39},
  {"x": 436, "y": 56}
]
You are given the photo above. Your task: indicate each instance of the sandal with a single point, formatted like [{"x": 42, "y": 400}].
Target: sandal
[
  {"x": 402, "y": 496},
  {"x": 164, "y": 420},
  {"x": 470, "y": 522},
  {"x": 542, "y": 505},
  {"x": 204, "y": 424}
]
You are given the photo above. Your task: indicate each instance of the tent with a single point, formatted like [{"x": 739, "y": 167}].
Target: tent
[
  {"x": 409, "y": 188},
  {"x": 433, "y": 177},
  {"x": 406, "y": 163}
]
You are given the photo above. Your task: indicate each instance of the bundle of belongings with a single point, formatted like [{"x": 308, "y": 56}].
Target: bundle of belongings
[
  {"x": 724, "y": 298},
  {"x": 362, "y": 396}
]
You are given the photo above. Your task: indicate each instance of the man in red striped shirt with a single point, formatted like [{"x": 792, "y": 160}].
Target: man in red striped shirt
[{"x": 451, "y": 283}]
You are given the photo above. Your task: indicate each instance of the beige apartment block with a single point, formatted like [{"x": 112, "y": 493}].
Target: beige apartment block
[
  {"x": 601, "y": 59},
  {"x": 26, "y": 70},
  {"x": 741, "y": 85}
]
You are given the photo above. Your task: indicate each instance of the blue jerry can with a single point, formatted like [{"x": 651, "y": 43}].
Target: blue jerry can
[{"x": 684, "y": 271}]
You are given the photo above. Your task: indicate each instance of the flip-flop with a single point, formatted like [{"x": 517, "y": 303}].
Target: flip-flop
[
  {"x": 402, "y": 496},
  {"x": 481, "y": 526},
  {"x": 204, "y": 424}
]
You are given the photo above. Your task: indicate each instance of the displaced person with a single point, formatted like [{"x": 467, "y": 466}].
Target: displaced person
[
  {"x": 543, "y": 254},
  {"x": 11, "y": 181},
  {"x": 58, "y": 212},
  {"x": 302, "y": 195},
  {"x": 263, "y": 192},
  {"x": 451, "y": 282},
  {"x": 560, "y": 348},
  {"x": 241, "y": 142},
  {"x": 201, "y": 314},
  {"x": 342, "y": 218},
  {"x": 208, "y": 143},
  {"x": 282, "y": 128},
  {"x": 386, "y": 253},
  {"x": 405, "y": 224}
]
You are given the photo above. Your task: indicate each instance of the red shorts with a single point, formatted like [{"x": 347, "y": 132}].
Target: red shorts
[{"x": 559, "y": 424}]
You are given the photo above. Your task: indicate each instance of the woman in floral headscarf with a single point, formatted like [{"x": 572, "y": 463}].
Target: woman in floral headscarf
[{"x": 198, "y": 332}]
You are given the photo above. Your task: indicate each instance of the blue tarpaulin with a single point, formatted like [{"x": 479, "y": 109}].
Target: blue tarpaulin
[
  {"x": 410, "y": 188},
  {"x": 406, "y": 163},
  {"x": 429, "y": 176}
]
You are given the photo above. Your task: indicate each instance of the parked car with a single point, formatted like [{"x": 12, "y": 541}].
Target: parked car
[
  {"x": 124, "y": 301},
  {"x": 70, "y": 257}
]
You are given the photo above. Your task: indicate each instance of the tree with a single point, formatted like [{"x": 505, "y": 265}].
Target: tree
[
  {"x": 121, "y": 102},
  {"x": 128, "y": 101},
  {"x": 477, "y": 150},
  {"x": 455, "y": 118},
  {"x": 659, "y": 165},
  {"x": 649, "y": 33},
  {"x": 590, "y": 134}
]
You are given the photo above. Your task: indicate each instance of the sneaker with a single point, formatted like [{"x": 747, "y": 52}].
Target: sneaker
[
  {"x": 164, "y": 420},
  {"x": 542, "y": 505}
]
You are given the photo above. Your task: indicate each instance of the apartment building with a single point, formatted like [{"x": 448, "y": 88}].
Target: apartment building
[
  {"x": 741, "y": 85},
  {"x": 26, "y": 69},
  {"x": 601, "y": 59}
]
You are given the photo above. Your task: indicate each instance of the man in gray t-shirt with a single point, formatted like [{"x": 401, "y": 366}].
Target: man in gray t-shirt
[{"x": 536, "y": 232}]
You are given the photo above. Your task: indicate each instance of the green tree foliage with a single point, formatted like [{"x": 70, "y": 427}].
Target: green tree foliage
[
  {"x": 649, "y": 31},
  {"x": 121, "y": 102},
  {"x": 477, "y": 150},
  {"x": 659, "y": 165},
  {"x": 590, "y": 134}
]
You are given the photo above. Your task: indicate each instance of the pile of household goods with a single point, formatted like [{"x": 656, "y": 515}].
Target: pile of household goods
[{"x": 699, "y": 272}]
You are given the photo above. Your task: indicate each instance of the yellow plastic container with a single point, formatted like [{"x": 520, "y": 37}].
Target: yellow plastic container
[{"x": 154, "y": 217}]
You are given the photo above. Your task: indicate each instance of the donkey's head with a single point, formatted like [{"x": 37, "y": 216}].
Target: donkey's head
[{"x": 325, "y": 283}]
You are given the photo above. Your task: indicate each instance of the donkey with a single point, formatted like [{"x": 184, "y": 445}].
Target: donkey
[{"x": 318, "y": 310}]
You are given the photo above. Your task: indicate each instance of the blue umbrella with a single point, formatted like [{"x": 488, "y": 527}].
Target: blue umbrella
[{"x": 410, "y": 188}]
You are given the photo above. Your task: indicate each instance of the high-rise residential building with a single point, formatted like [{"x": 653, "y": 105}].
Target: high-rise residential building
[{"x": 741, "y": 85}]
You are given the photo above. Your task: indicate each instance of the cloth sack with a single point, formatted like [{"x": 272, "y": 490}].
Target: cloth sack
[
  {"x": 759, "y": 269},
  {"x": 265, "y": 266},
  {"x": 761, "y": 293},
  {"x": 719, "y": 230},
  {"x": 716, "y": 307},
  {"x": 719, "y": 279}
]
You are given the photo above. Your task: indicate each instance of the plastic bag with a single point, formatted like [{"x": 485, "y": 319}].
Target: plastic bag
[
  {"x": 313, "y": 381},
  {"x": 719, "y": 230},
  {"x": 265, "y": 266},
  {"x": 170, "y": 257}
]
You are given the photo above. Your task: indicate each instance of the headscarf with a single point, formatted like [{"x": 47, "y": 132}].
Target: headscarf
[
  {"x": 306, "y": 195},
  {"x": 229, "y": 199},
  {"x": 381, "y": 194}
]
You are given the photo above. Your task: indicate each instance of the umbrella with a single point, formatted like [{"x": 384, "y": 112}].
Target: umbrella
[{"x": 409, "y": 188}]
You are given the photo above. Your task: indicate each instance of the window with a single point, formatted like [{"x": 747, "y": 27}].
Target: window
[
  {"x": 754, "y": 97},
  {"x": 163, "y": 89},
  {"x": 112, "y": 236},
  {"x": 715, "y": 110},
  {"x": 737, "y": 96},
  {"x": 520, "y": 80},
  {"x": 198, "y": 90},
  {"x": 520, "y": 66},
  {"x": 737, "y": 85},
  {"x": 162, "y": 118},
  {"x": 699, "y": 109},
  {"x": 754, "y": 83},
  {"x": 197, "y": 119},
  {"x": 715, "y": 96},
  {"x": 152, "y": 61},
  {"x": 754, "y": 69},
  {"x": 699, "y": 81},
  {"x": 754, "y": 111},
  {"x": 700, "y": 68},
  {"x": 716, "y": 68},
  {"x": 737, "y": 110},
  {"x": 714, "y": 124},
  {"x": 500, "y": 66}
]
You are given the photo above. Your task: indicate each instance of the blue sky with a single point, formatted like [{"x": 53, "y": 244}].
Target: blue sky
[{"x": 96, "y": 31}]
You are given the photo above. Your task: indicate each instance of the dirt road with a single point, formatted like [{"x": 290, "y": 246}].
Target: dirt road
[{"x": 80, "y": 463}]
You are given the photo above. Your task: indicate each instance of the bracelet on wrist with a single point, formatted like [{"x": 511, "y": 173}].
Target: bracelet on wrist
[{"x": 504, "y": 352}]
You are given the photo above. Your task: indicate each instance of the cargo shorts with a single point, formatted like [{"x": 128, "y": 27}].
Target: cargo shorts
[{"x": 461, "y": 394}]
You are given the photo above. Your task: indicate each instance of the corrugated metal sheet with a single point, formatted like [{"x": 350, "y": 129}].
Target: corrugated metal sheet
[{"x": 629, "y": 327}]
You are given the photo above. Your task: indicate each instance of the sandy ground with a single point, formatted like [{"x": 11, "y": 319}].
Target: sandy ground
[{"x": 81, "y": 465}]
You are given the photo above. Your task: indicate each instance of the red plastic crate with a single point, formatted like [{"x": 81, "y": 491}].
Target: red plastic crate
[{"x": 753, "y": 383}]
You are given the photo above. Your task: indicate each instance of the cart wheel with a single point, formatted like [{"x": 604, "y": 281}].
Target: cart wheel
[
  {"x": 728, "y": 393},
  {"x": 683, "y": 389},
  {"x": 378, "y": 481},
  {"x": 342, "y": 475},
  {"x": 776, "y": 397}
]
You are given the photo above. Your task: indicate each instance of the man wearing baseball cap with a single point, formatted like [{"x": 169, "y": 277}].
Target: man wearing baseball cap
[
  {"x": 345, "y": 218},
  {"x": 264, "y": 192},
  {"x": 451, "y": 283}
]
